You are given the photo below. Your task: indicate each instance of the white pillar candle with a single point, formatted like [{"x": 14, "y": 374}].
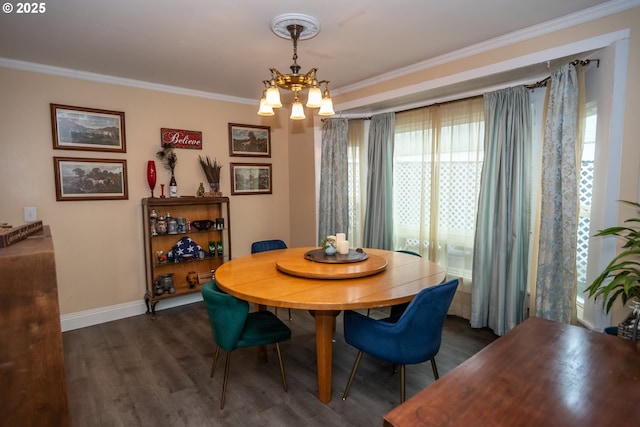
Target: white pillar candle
[
  {"x": 340, "y": 237},
  {"x": 343, "y": 247}
]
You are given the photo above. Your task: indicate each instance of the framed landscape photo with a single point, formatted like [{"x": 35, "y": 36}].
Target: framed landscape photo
[
  {"x": 250, "y": 178},
  {"x": 90, "y": 179},
  {"x": 87, "y": 129},
  {"x": 249, "y": 140}
]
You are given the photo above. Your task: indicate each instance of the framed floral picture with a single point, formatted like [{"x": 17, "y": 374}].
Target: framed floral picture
[
  {"x": 90, "y": 179},
  {"x": 87, "y": 129},
  {"x": 250, "y": 178},
  {"x": 249, "y": 140}
]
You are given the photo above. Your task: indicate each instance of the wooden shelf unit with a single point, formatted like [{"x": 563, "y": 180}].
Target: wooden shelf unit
[{"x": 192, "y": 209}]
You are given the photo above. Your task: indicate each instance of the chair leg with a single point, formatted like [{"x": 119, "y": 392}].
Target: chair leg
[
  {"x": 290, "y": 318},
  {"x": 284, "y": 379},
  {"x": 435, "y": 368},
  {"x": 402, "y": 383},
  {"x": 353, "y": 374},
  {"x": 215, "y": 360},
  {"x": 224, "y": 382}
]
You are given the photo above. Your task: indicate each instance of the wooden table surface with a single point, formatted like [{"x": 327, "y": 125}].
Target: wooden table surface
[
  {"x": 541, "y": 373},
  {"x": 256, "y": 278}
]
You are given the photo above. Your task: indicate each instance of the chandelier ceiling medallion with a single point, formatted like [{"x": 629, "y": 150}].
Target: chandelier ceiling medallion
[{"x": 295, "y": 26}]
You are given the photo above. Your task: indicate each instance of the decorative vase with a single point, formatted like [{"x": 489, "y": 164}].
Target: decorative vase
[
  {"x": 151, "y": 175},
  {"x": 215, "y": 188},
  {"x": 330, "y": 250}
]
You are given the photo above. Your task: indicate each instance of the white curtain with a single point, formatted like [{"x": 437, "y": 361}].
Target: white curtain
[
  {"x": 501, "y": 253},
  {"x": 437, "y": 163},
  {"x": 357, "y": 157}
]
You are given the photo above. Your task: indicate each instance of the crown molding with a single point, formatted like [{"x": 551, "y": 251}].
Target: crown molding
[
  {"x": 585, "y": 45},
  {"x": 587, "y": 15},
  {"x": 103, "y": 78}
]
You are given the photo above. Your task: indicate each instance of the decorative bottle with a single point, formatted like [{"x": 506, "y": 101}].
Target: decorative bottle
[
  {"x": 201, "y": 190},
  {"x": 173, "y": 186}
]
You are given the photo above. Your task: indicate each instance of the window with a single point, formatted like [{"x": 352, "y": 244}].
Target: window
[
  {"x": 436, "y": 181},
  {"x": 585, "y": 196}
]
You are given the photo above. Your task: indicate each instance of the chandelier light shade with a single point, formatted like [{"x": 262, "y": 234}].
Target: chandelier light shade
[
  {"x": 297, "y": 112},
  {"x": 296, "y": 27},
  {"x": 265, "y": 109}
]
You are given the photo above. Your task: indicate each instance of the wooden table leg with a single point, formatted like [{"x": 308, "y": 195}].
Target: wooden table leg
[
  {"x": 325, "y": 324},
  {"x": 261, "y": 350}
]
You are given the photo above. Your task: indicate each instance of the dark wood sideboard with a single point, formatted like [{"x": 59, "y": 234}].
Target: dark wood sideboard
[
  {"x": 541, "y": 373},
  {"x": 32, "y": 379}
]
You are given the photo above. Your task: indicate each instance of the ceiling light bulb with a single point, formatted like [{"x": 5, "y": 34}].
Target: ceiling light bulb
[
  {"x": 297, "y": 112},
  {"x": 273, "y": 97},
  {"x": 314, "y": 98},
  {"x": 265, "y": 110}
]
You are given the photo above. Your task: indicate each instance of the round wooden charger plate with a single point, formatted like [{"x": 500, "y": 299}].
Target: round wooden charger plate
[{"x": 301, "y": 267}]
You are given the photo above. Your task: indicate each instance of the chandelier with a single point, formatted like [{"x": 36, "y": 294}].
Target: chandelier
[{"x": 296, "y": 27}]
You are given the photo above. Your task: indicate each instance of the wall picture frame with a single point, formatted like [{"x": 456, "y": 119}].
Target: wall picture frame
[
  {"x": 90, "y": 179},
  {"x": 87, "y": 129},
  {"x": 251, "y": 178},
  {"x": 249, "y": 140}
]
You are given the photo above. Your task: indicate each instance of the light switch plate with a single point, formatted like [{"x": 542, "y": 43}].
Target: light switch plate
[{"x": 30, "y": 214}]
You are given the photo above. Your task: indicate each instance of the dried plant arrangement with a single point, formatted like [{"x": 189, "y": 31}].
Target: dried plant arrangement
[
  {"x": 211, "y": 170},
  {"x": 168, "y": 157}
]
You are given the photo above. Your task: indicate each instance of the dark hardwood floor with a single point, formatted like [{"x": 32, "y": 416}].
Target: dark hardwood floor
[{"x": 143, "y": 372}]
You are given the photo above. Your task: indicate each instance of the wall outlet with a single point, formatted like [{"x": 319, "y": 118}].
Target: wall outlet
[{"x": 30, "y": 214}]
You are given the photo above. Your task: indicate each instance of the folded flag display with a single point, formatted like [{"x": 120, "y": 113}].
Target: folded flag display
[{"x": 185, "y": 248}]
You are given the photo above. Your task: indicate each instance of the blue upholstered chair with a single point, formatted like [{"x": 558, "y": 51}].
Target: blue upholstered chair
[
  {"x": 234, "y": 327},
  {"x": 397, "y": 310},
  {"x": 269, "y": 245},
  {"x": 415, "y": 337}
]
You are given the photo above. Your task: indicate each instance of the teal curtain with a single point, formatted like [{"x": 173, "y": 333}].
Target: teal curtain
[
  {"x": 334, "y": 185},
  {"x": 556, "y": 276},
  {"x": 378, "y": 220},
  {"x": 501, "y": 245}
]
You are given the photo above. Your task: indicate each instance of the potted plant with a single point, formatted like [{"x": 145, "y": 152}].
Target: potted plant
[
  {"x": 624, "y": 271},
  {"x": 328, "y": 245}
]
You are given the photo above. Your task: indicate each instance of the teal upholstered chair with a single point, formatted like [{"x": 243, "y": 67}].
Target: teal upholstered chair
[
  {"x": 414, "y": 337},
  {"x": 269, "y": 245},
  {"x": 234, "y": 327}
]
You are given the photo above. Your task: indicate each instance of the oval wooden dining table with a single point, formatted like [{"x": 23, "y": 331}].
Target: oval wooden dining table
[{"x": 285, "y": 278}]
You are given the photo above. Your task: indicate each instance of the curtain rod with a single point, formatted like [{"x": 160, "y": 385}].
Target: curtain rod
[
  {"x": 435, "y": 104},
  {"x": 541, "y": 83},
  {"x": 582, "y": 62}
]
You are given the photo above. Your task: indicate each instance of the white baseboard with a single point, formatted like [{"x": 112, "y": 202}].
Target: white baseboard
[{"x": 99, "y": 315}]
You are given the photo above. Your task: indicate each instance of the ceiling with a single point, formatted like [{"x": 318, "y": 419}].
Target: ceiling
[{"x": 226, "y": 47}]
